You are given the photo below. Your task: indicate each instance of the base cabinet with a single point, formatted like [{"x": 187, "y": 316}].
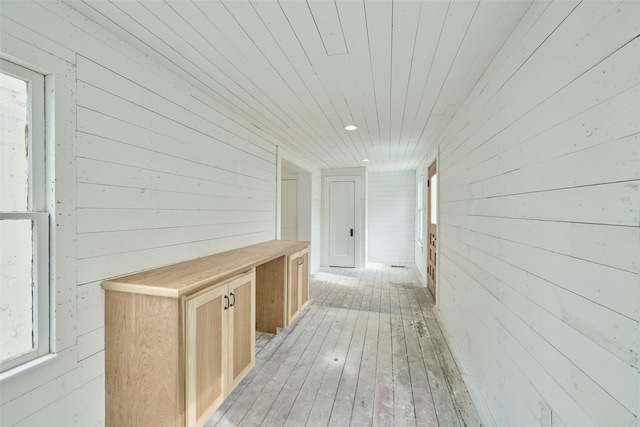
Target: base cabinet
[
  {"x": 220, "y": 344},
  {"x": 297, "y": 283},
  {"x": 179, "y": 338},
  {"x": 142, "y": 361}
]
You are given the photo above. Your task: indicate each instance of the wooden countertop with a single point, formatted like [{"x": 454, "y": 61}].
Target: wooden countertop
[{"x": 179, "y": 279}]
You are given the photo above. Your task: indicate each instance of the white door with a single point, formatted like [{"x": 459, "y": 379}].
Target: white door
[
  {"x": 289, "y": 218},
  {"x": 342, "y": 251}
]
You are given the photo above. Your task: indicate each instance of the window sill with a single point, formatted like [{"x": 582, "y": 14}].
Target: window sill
[{"x": 18, "y": 370}]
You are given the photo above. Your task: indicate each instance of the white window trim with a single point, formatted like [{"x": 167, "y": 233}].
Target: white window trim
[{"x": 37, "y": 213}]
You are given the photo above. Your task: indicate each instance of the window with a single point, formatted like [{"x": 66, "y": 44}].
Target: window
[
  {"x": 24, "y": 220},
  {"x": 421, "y": 209}
]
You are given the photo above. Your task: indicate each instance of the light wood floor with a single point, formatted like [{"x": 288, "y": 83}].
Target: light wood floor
[{"x": 366, "y": 351}]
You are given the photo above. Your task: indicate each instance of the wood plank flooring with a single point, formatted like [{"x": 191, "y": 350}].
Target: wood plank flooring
[{"x": 367, "y": 351}]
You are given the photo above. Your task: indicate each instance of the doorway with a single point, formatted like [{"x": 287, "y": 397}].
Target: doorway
[
  {"x": 289, "y": 220},
  {"x": 342, "y": 224},
  {"x": 432, "y": 184},
  {"x": 294, "y": 208}
]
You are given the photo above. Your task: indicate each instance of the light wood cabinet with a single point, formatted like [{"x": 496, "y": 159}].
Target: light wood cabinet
[
  {"x": 142, "y": 360},
  {"x": 220, "y": 344},
  {"x": 304, "y": 279},
  {"x": 271, "y": 307},
  {"x": 179, "y": 338},
  {"x": 297, "y": 283},
  {"x": 242, "y": 329},
  {"x": 288, "y": 291},
  {"x": 207, "y": 341}
]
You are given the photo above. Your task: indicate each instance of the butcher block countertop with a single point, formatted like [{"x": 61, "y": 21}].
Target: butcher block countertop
[{"x": 186, "y": 277}]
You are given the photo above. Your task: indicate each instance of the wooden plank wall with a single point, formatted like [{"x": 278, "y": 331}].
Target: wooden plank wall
[
  {"x": 390, "y": 216},
  {"x": 163, "y": 174},
  {"x": 539, "y": 221}
]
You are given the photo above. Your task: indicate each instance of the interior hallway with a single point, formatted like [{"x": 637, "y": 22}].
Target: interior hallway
[{"x": 368, "y": 350}]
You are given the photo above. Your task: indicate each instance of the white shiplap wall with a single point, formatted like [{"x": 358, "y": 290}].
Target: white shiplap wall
[
  {"x": 391, "y": 217},
  {"x": 162, "y": 174},
  {"x": 539, "y": 221}
]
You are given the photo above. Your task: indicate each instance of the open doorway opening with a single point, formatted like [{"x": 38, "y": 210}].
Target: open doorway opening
[
  {"x": 289, "y": 205},
  {"x": 295, "y": 202},
  {"x": 432, "y": 184}
]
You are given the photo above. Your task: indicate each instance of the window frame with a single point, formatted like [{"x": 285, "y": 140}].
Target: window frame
[{"x": 36, "y": 212}]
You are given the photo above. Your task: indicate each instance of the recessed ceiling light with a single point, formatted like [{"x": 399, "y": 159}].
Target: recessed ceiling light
[
  {"x": 351, "y": 127},
  {"x": 365, "y": 160}
]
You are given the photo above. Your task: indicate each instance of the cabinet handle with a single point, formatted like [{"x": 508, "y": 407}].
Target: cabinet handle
[
  {"x": 226, "y": 298},
  {"x": 300, "y": 260},
  {"x": 234, "y": 300}
]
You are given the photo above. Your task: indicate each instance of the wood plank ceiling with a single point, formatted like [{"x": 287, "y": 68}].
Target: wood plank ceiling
[{"x": 302, "y": 70}]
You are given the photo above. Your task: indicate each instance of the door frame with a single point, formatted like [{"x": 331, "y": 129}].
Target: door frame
[
  {"x": 284, "y": 180},
  {"x": 303, "y": 196},
  {"x": 433, "y": 159},
  {"x": 357, "y": 212},
  {"x": 432, "y": 170}
]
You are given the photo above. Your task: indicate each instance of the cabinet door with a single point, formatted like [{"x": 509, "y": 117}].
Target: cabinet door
[
  {"x": 242, "y": 328},
  {"x": 206, "y": 353},
  {"x": 304, "y": 278},
  {"x": 294, "y": 287}
]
